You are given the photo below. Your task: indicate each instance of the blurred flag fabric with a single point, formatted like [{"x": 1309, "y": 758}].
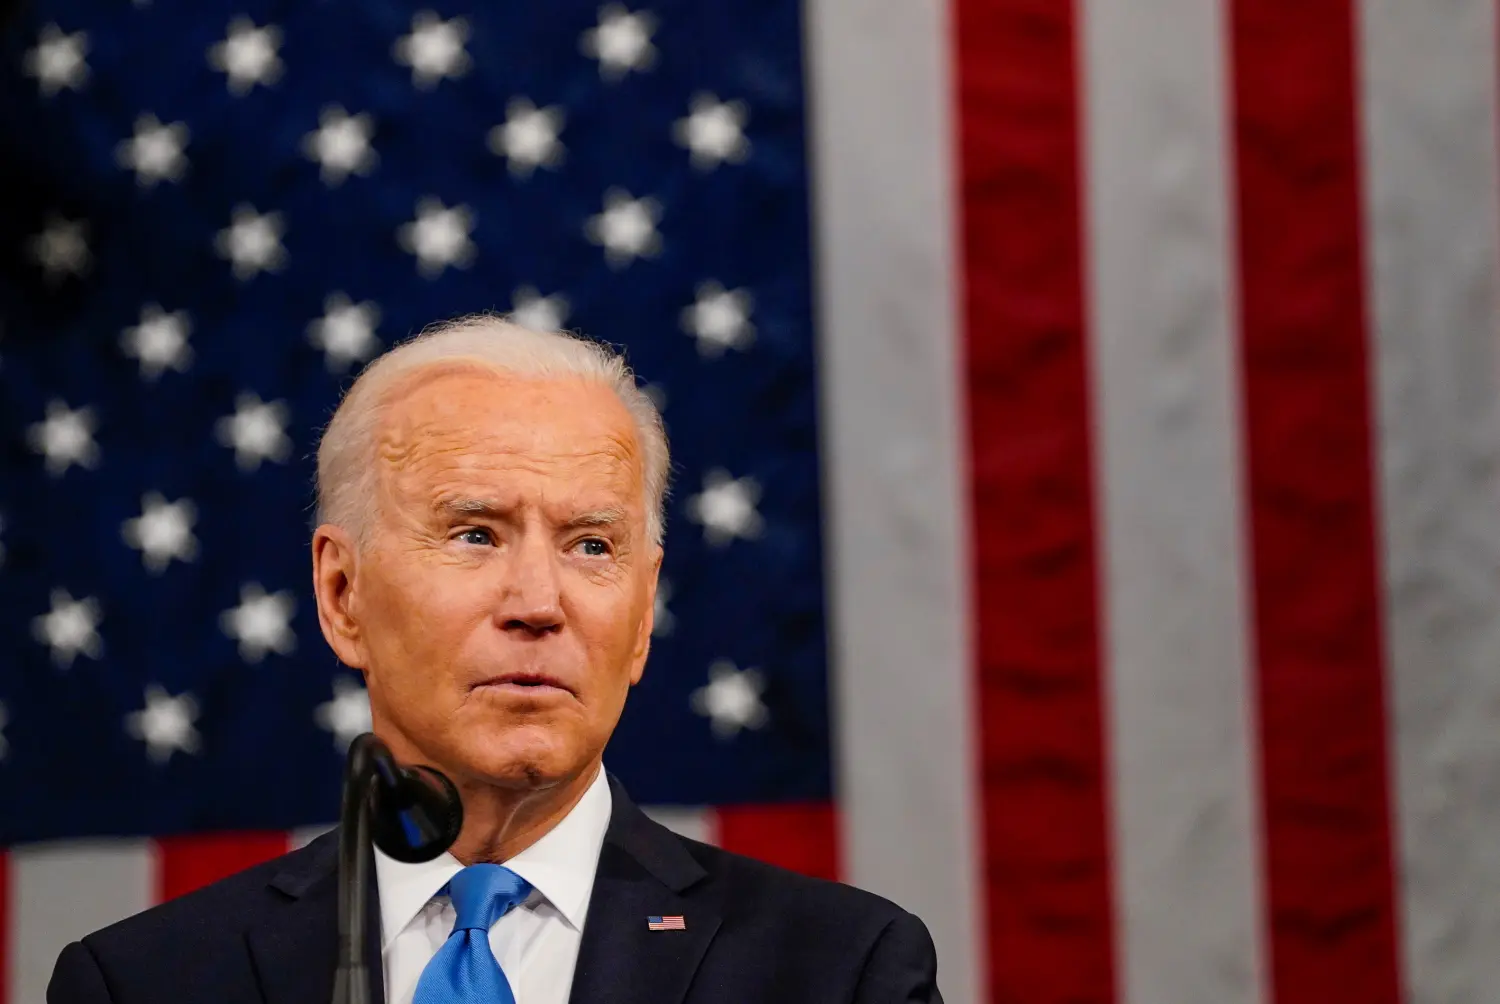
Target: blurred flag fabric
[{"x": 1086, "y": 519}]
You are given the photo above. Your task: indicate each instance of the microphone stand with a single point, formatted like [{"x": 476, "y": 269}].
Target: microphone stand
[
  {"x": 413, "y": 814},
  {"x": 351, "y": 982}
]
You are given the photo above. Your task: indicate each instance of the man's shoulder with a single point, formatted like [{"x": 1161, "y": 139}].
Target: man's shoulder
[
  {"x": 747, "y": 884},
  {"x": 222, "y": 908},
  {"x": 784, "y": 929}
]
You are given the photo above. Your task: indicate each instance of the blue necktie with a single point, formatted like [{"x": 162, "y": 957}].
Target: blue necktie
[{"x": 464, "y": 970}]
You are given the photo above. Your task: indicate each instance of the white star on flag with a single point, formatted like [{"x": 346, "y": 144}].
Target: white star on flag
[
  {"x": 4, "y": 721},
  {"x": 341, "y": 145},
  {"x": 719, "y": 319},
  {"x": 345, "y": 332},
  {"x": 58, "y": 61},
  {"x": 713, "y": 131},
  {"x": 159, "y": 341},
  {"x": 621, "y": 42},
  {"x": 726, "y": 508},
  {"x": 163, "y": 531},
  {"x": 165, "y": 724},
  {"x": 252, "y": 242},
  {"x": 248, "y": 56},
  {"x": 527, "y": 139},
  {"x": 256, "y": 431},
  {"x": 438, "y": 237},
  {"x": 347, "y": 715},
  {"x": 626, "y": 229},
  {"x": 70, "y": 627},
  {"x": 65, "y": 437},
  {"x": 731, "y": 699},
  {"x": 62, "y": 248},
  {"x": 154, "y": 153},
  {"x": 662, "y": 621},
  {"x": 434, "y": 49},
  {"x": 530, "y": 309},
  {"x": 261, "y": 623}
]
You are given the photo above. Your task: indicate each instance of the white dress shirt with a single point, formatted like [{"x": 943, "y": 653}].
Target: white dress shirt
[{"x": 536, "y": 943}]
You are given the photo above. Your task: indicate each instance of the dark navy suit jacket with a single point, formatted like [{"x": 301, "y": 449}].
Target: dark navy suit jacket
[{"x": 754, "y": 933}]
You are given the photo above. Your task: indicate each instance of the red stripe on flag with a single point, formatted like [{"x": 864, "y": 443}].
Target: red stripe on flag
[
  {"x": 801, "y": 836},
  {"x": 190, "y": 862},
  {"x": 1330, "y": 888},
  {"x": 1050, "y": 920}
]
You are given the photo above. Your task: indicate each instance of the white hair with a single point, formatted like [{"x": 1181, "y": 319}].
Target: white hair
[{"x": 346, "y": 454}]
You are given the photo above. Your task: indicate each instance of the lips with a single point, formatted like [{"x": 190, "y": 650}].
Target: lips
[{"x": 525, "y": 681}]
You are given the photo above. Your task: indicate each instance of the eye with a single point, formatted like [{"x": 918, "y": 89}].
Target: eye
[
  {"x": 484, "y": 537},
  {"x": 595, "y": 547}
]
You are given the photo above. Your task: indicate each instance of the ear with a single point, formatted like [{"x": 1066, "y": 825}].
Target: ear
[
  {"x": 647, "y": 625},
  {"x": 335, "y": 559}
]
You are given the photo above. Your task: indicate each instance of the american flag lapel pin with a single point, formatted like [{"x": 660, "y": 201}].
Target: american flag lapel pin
[{"x": 666, "y": 924}]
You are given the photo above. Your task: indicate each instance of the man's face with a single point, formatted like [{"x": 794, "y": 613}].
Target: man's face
[{"x": 502, "y": 602}]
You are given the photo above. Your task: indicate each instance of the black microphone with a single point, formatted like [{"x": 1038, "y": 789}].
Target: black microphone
[
  {"x": 416, "y": 812},
  {"x": 411, "y": 813}
]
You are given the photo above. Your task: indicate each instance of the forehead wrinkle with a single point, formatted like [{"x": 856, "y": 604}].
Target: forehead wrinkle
[
  {"x": 428, "y": 440},
  {"x": 416, "y": 441},
  {"x": 582, "y": 487},
  {"x": 455, "y": 504},
  {"x": 595, "y": 484}
]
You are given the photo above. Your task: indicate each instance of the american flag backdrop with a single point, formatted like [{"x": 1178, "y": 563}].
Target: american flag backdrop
[{"x": 1086, "y": 521}]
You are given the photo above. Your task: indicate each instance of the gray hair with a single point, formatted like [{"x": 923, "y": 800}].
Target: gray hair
[{"x": 488, "y": 342}]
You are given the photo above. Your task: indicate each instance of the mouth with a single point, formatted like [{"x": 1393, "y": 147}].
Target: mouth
[{"x": 533, "y": 684}]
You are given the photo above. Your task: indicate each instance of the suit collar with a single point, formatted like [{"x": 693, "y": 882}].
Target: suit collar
[
  {"x": 309, "y": 867},
  {"x": 651, "y": 845},
  {"x": 560, "y": 866},
  {"x": 294, "y": 951},
  {"x": 644, "y": 871}
]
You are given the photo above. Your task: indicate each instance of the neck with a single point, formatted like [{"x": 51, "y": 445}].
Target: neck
[{"x": 500, "y": 823}]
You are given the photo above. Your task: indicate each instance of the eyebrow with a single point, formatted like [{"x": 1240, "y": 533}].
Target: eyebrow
[{"x": 489, "y": 509}]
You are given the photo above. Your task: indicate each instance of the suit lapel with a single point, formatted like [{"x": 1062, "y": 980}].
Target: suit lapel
[
  {"x": 644, "y": 872},
  {"x": 294, "y": 953}
]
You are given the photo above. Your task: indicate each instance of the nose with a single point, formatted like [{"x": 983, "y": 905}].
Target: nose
[{"x": 530, "y": 600}]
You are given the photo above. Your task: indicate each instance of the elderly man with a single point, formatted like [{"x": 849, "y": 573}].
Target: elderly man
[{"x": 491, "y": 505}]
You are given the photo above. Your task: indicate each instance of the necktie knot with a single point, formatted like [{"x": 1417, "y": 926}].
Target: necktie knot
[
  {"x": 464, "y": 969},
  {"x": 484, "y": 893}
]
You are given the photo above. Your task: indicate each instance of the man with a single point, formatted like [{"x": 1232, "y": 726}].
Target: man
[{"x": 491, "y": 510}]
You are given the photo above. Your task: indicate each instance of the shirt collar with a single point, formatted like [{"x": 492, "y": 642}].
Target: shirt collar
[{"x": 560, "y": 866}]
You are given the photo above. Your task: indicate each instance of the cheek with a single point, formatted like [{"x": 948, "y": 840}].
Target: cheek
[
  {"x": 411, "y": 619},
  {"x": 610, "y": 624}
]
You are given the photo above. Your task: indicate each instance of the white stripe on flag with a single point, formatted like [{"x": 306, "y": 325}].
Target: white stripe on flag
[
  {"x": 1429, "y": 79},
  {"x": 61, "y": 891},
  {"x": 1174, "y": 582},
  {"x": 892, "y": 442},
  {"x": 693, "y": 822},
  {"x": 304, "y": 835}
]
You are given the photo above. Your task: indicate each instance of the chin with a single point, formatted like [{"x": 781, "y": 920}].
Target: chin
[{"x": 529, "y": 757}]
